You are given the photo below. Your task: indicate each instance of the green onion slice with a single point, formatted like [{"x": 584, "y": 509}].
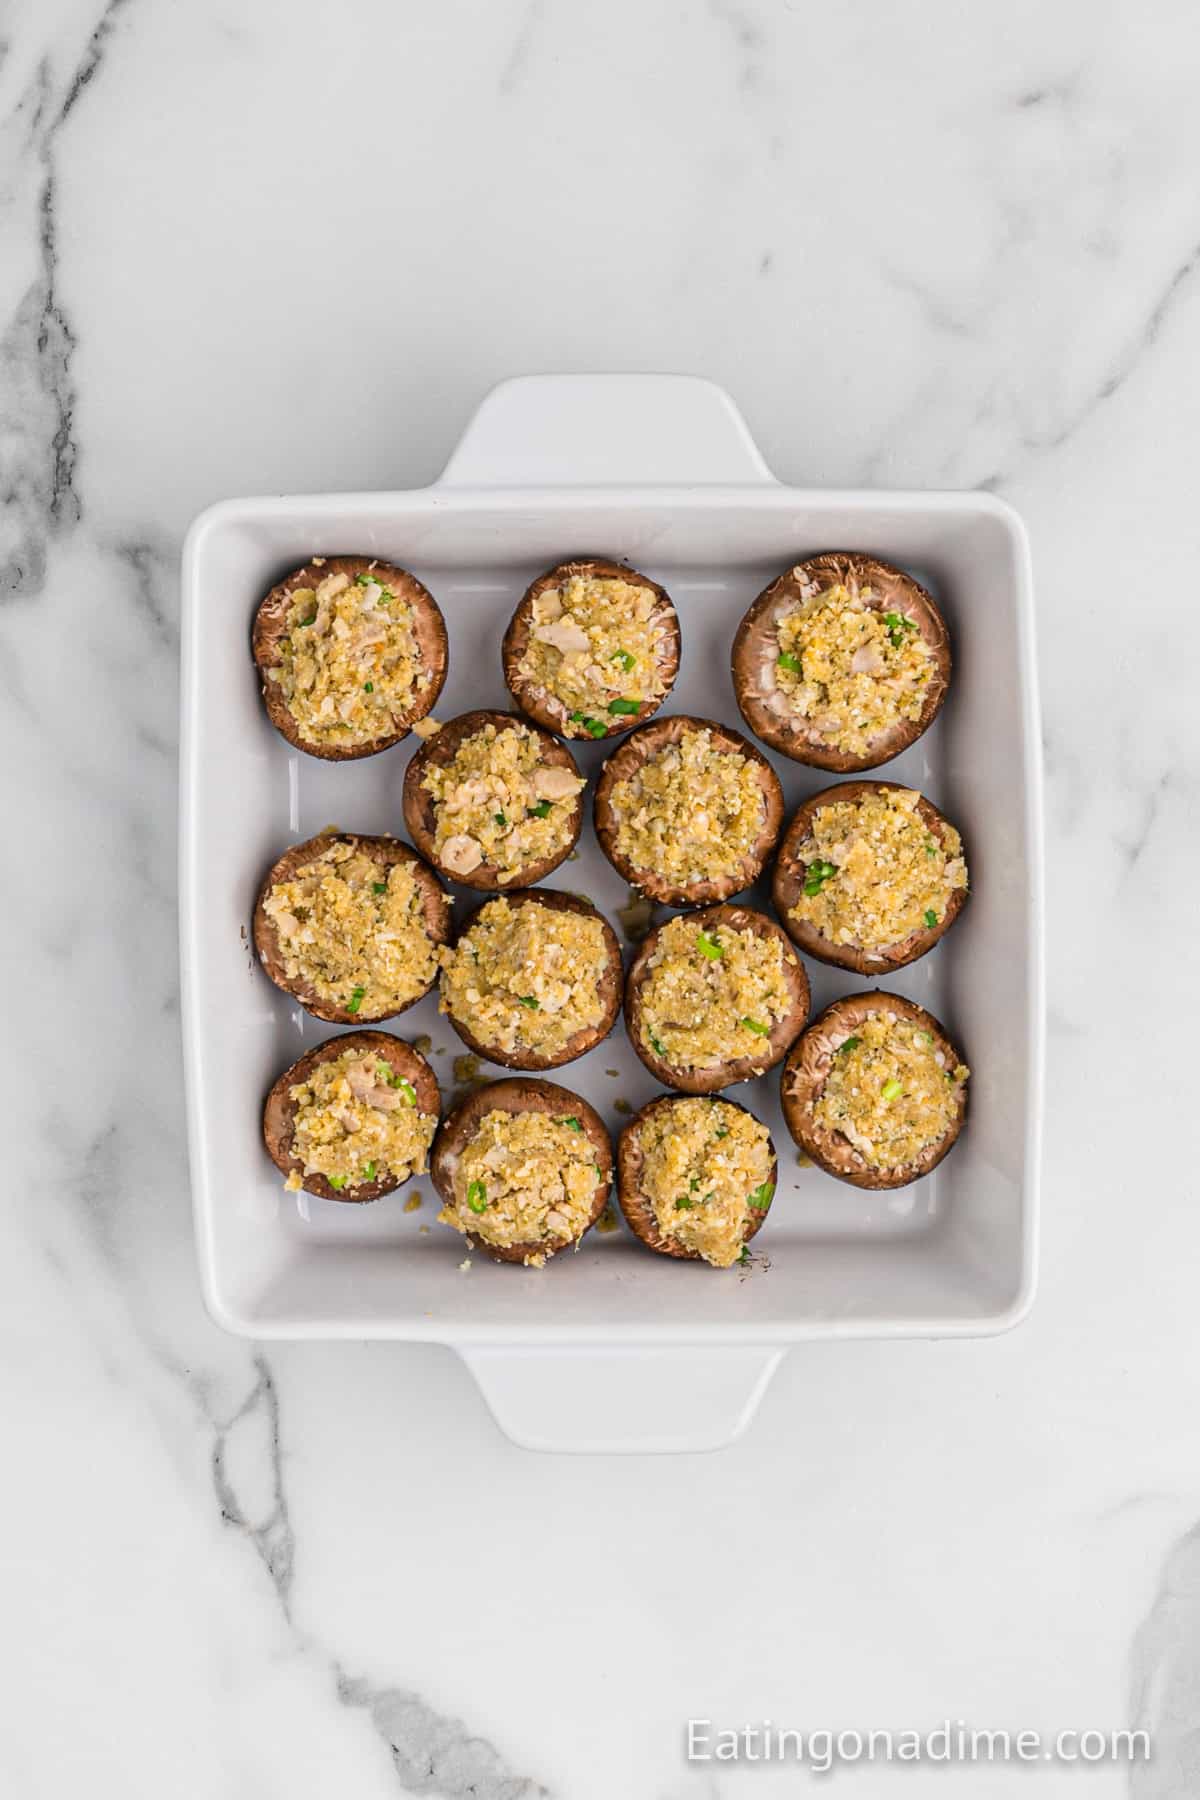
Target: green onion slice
[
  {"x": 624, "y": 706},
  {"x": 337, "y": 1181},
  {"x": 626, "y": 661},
  {"x": 762, "y": 1196},
  {"x": 786, "y": 660},
  {"x": 369, "y": 1172},
  {"x": 848, "y": 1044},
  {"x": 709, "y": 947},
  {"x": 593, "y": 726},
  {"x": 529, "y": 1001},
  {"x": 477, "y": 1197},
  {"x": 355, "y": 1000},
  {"x": 892, "y": 1090},
  {"x": 931, "y": 918},
  {"x": 379, "y": 887},
  {"x": 757, "y": 1027},
  {"x": 540, "y": 811},
  {"x": 573, "y": 1122}
]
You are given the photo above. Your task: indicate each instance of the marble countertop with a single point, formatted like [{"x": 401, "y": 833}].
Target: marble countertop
[{"x": 288, "y": 246}]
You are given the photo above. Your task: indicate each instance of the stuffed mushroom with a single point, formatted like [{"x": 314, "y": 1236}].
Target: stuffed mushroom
[
  {"x": 695, "y": 1178},
  {"x": 869, "y": 876},
  {"x": 351, "y": 926},
  {"x": 714, "y": 997},
  {"x": 493, "y": 801},
  {"x": 353, "y": 1119},
  {"x": 875, "y": 1092},
  {"x": 592, "y": 649},
  {"x": 523, "y": 1168},
  {"x": 688, "y": 811},
  {"x": 534, "y": 979},
  {"x": 352, "y": 652},
  {"x": 842, "y": 662}
]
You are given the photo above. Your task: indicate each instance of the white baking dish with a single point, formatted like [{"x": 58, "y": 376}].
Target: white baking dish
[{"x": 612, "y": 1348}]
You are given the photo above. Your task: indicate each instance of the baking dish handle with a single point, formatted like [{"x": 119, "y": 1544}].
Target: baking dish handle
[
  {"x": 606, "y": 430},
  {"x": 640, "y": 1398}
]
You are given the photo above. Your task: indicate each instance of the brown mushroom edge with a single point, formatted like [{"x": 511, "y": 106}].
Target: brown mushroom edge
[
  {"x": 278, "y": 1111},
  {"x": 429, "y": 630},
  {"x": 533, "y": 699},
  {"x": 639, "y": 1212},
  {"x": 386, "y": 851},
  {"x": 611, "y": 985},
  {"x": 756, "y": 637},
  {"x": 637, "y": 750},
  {"x": 420, "y": 810},
  {"x": 788, "y": 882},
  {"x": 805, "y": 1072},
  {"x": 518, "y": 1094},
  {"x": 743, "y": 1068}
]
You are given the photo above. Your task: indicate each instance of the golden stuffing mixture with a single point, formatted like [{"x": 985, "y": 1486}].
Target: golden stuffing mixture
[
  {"x": 355, "y": 931},
  {"x": 594, "y": 648},
  {"x": 848, "y": 669},
  {"x": 349, "y": 663},
  {"x": 691, "y": 811},
  {"x": 890, "y": 1091},
  {"x": 875, "y": 872},
  {"x": 707, "y": 1174},
  {"x": 527, "y": 977},
  {"x": 357, "y": 1120},
  {"x": 710, "y": 996},
  {"x": 525, "y": 1178},
  {"x": 500, "y": 803}
]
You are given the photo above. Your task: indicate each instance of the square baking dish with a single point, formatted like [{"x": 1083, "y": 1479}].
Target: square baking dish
[{"x": 587, "y": 1353}]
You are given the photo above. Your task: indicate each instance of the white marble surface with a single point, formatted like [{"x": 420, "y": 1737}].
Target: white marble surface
[{"x": 283, "y": 245}]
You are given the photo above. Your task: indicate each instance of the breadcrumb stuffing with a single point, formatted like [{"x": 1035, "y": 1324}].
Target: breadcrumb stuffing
[
  {"x": 524, "y": 1178},
  {"x": 888, "y": 875},
  {"x": 595, "y": 651},
  {"x": 890, "y": 1091},
  {"x": 707, "y": 1173},
  {"x": 349, "y": 664},
  {"x": 500, "y": 802},
  {"x": 847, "y": 668},
  {"x": 526, "y": 978},
  {"x": 355, "y": 1120},
  {"x": 692, "y": 811},
  {"x": 354, "y": 931},
  {"x": 711, "y": 1001}
]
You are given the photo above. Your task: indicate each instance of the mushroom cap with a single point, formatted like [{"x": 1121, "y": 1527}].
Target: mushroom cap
[
  {"x": 788, "y": 883},
  {"x": 533, "y": 699},
  {"x": 611, "y": 983},
  {"x": 757, "y": 636},
  {"x": 639, "y": 1212},
  {"x": 772, "y": 1048},
  {"x": 279, "y": 1112},
  {"x": 386, "y": 851},
  {"x": 639, "y": 748},
  {"x": 518, "y": 1093},
  {"x": 807, "y": 1068},
  {"x": 420, "y": 808},
  {"x": 429, "y": 630}
]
